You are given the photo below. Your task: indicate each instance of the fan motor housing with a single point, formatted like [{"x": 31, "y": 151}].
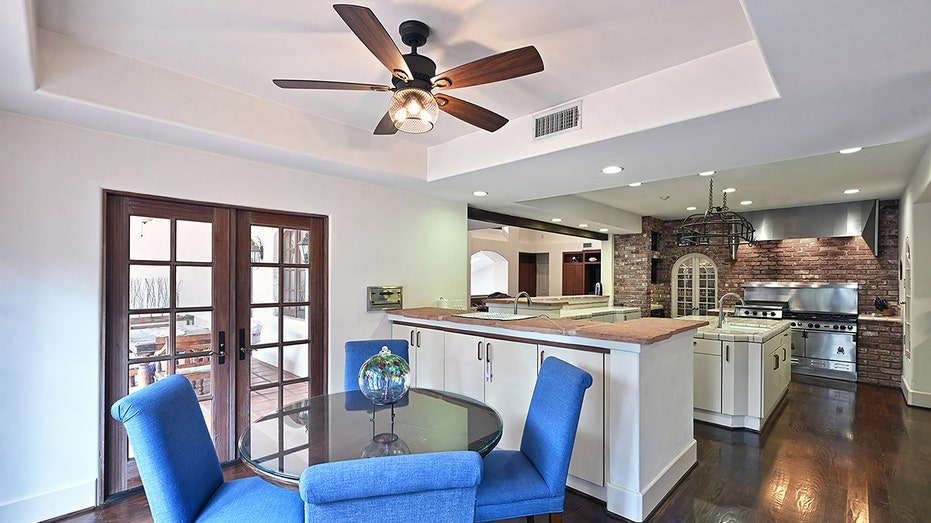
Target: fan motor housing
[{"x": 423, "y": 68}]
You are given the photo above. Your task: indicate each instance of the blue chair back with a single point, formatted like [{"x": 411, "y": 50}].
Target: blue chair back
[
  {"x": 174, "y": 453},
  {"x": 413, "y": 488},
  {"x": 552, "y": 420},
  {"x": 359, "y": 351}
]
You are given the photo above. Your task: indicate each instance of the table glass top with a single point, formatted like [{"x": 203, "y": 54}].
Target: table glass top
[{"x": 339, "y": 427}]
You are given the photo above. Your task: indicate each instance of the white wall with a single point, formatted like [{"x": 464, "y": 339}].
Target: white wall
[
  {"x": 914, "y": 225},
  {"x": 52, "y": 178}
]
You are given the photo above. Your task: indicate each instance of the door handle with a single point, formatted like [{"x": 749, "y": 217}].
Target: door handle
[
  {"x": 478, "y": 351},
  {"x": 221, "y": 348},
  {"x": 418, "y": 339},
  {"x": 242, "y": 344},
  {"x": 784, "y": 354},
  {"x": 776, "y": 357},
  {"x": 412, "y": 337},
  {"x": 542, "y": 356},
  {"x": 488, "y": 365},
  {"x": 727, "y": 353}
]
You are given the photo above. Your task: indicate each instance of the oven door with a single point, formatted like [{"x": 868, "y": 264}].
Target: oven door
[
  {"x": 831, "y": 346},
  {"x": 798, "y": 343}
]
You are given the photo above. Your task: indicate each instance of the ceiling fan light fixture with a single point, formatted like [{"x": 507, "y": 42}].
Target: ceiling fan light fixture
[{"x": 413, "y": 110}]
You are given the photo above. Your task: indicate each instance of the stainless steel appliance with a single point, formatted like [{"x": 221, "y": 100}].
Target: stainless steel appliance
[{"x": 823, "y": 321}]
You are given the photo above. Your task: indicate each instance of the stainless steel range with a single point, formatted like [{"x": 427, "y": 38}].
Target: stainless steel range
[{"x": 823, "y": 320}]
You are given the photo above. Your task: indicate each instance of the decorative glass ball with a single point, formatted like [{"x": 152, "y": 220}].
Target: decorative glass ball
[{"x": 385, "y": 378}]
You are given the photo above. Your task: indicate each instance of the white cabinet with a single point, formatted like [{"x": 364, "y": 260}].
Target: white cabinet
[
  {"x": 706, "y": 358},
  {"x": 426, "y": 354},
  {"x": 734, "y": 358},
  {"x": 776, "y": 371},
  {"x": 500, "y": 373},
  {"x": 587, "y": 460},
  {"x": 739, "y": 384}
]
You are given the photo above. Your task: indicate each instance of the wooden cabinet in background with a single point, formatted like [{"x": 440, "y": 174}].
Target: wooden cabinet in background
[{"x": 581, "y": 270}]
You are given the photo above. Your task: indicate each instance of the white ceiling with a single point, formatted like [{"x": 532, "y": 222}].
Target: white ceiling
[{"x": 764, "y": 92}]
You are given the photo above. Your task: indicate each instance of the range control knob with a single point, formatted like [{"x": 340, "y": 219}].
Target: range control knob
[
  {"x": 834, "y": 327},
  {"x": 817, "y": 325},
  {"x": 810, "y": 325}
]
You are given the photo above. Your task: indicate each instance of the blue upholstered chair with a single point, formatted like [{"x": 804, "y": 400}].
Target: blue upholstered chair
[
  {"x": 359, "y": 351},
  {"x": 179, "y": 467},
  {"x": 532, "y": 480},
  {"x": 417, "y": 488}
]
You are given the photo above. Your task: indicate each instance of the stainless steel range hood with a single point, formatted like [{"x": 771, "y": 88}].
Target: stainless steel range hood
[{"x": 819, "y": 221}]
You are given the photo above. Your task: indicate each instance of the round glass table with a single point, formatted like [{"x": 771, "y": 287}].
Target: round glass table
[{"x": 345, "y": 426}]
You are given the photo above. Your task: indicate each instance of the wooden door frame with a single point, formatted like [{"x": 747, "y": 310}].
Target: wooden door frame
[{"x": 115, "y": 207}]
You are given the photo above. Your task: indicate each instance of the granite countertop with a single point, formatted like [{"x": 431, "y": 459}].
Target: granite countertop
[
  {"x": 739, "y": 329},
  {"x": 592, "y": 300},
  {"x": 643, "y": 331}
]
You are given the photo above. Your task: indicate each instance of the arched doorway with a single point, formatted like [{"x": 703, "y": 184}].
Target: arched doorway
[
  {"x": 489, "y": 273},
  {"x": 694, "y": 285}
]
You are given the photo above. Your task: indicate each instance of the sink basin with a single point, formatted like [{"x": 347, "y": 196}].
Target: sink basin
[{"x": 500, "y": 316}]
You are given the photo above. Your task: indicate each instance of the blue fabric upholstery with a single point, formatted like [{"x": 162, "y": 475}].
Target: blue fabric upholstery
[
  {"x": 533, "y": 480},
  {"x": 359, "y": 351},
  {"x": 178, "y": 464},
  {"x": 428, "y": 488}
]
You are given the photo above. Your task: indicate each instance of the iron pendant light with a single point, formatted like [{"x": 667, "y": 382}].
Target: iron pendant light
[{"x": 717, "y": 227}]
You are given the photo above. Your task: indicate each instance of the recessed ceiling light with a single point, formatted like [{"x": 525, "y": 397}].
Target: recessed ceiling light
[
  {"x": 556, "y": 220},
  {"x": 729, "y": 190},
  {"x": 746, "y": 202},
  {"x": 635, "y": 184},
  {"x": 706, "y": 173},
  {"x": 691, "y": 208},
  {"x": 583, "y": 225},
  {"x": 851, "y": 191},
  {"x": 602, "y": 230},
  {"x": 612, "y": 169},
  {"x": 479, "y": 193},
  {"x": 850, "y": 150}
]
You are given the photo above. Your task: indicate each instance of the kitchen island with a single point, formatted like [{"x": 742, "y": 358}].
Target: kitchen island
[
  {"x": 742, "y": 370},
  {"x": 635, "y": 438},
  {"x": 583, "y": 307}
]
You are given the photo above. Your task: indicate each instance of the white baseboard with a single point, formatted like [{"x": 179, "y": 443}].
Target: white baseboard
[
  {"x": 636, "y": 506},
  {"x": 50, "y": 504},
  {"x": 915, "y": 398}
]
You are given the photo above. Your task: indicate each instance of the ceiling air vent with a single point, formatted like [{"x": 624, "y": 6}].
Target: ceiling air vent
[{"x": 560, "y": 120}]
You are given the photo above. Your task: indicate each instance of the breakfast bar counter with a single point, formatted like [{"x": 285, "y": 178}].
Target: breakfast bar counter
[{"x": 635, "y": 438}]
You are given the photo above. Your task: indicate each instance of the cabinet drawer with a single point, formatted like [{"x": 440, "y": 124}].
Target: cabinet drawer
[{"x": 710, "y": 347}]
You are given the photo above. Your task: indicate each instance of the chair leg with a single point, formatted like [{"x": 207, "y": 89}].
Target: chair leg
[
  {"x": 556, "y": 518},
  {"x": 529, "y": 519}
]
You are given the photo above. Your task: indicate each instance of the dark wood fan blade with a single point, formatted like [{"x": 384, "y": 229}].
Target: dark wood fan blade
[
  {"x": 502, "y": 66},
  {"x": 323, "y": 84},
  {"x": 362, "y": 22},
  {"x": 470, "y": 113},
  {"x": 385, "y": 126}
]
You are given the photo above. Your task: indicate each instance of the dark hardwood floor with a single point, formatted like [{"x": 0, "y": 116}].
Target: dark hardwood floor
[{"x": 835, "y": 451}]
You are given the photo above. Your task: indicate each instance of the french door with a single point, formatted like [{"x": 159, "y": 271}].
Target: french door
[
  {"x": 232, "y": 299},
  {"x": 694, "y": 285}
]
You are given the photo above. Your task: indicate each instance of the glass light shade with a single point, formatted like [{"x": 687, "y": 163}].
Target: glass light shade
[
  {"x": 413, "y": 110},
  {"x": 385, "y": 378}
]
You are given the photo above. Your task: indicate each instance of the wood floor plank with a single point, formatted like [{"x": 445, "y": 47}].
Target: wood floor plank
[{"x": 835, "y": 452}]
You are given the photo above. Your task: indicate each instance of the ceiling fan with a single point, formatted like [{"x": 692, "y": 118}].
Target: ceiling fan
[{"x": 414, "y": 107}]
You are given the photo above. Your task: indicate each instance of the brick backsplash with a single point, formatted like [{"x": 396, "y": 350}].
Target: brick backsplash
[{"x": 846, "y": 259}]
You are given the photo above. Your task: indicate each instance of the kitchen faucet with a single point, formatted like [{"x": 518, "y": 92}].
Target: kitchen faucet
[
  {"x": 720, "y": 306},
  {"x": 519, "y": 294}
]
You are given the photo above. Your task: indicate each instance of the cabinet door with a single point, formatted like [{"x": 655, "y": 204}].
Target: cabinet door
[
  {"x": 464, "y": 369},
  {"x": 706, "y": 359},
  {"x": 404, "y": 332},
  {"x": 429, "y": 351},
  {"x": 734, "y": 381},
  {"x": 573, "y": 279},
  {"x": 509, "y": 380},
  {"x": 588, "y": 453}
]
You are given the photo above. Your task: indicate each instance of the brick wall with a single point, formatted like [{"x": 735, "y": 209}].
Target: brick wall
[
  {"x": 879, "y": 352},
  {"x": 846, "y": 259}
]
